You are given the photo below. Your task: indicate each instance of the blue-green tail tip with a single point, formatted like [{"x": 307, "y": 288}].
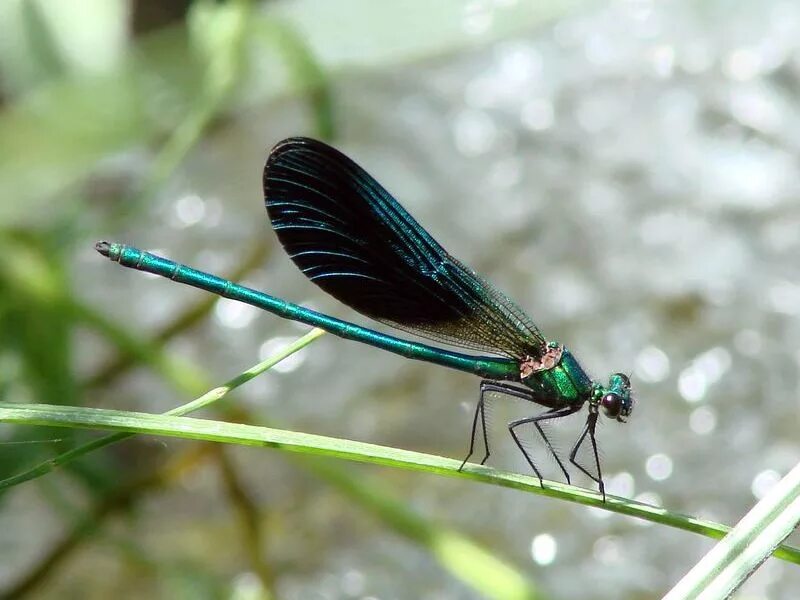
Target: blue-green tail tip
[{"x": 103, "y": 247}]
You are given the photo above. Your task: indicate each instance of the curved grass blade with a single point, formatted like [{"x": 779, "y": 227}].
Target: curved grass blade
[
  {"x": 308, "y": 444},
  {"x": 723, "y": 570},
  {"x": 203, "y": 401}
]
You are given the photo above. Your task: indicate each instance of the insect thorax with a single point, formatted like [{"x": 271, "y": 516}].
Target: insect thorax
[{"x": 558, "y": 374}]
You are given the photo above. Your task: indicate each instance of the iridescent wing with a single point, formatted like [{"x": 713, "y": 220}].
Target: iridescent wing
[{"x": 349, "y": 236}]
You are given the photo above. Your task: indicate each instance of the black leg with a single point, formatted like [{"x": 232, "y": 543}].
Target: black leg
[
  {"x": 588, "y": 430},
  {"x": 553, "y": 413},
  {"x": 478, "y": 409},
  {"x": 488, "y": 385},
  {"x": 482, "y": 404}
]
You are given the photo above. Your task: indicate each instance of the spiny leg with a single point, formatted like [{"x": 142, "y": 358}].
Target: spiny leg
[
  {"x": 553, "y": 413},
  {"x": 588, "y": 429},
  {"x": 488, "y": 385}
]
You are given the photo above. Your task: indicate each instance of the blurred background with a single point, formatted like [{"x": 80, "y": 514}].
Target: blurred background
[{"x": 626, "y": 171}]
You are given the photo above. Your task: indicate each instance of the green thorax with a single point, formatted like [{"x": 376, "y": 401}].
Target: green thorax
[{"x": 566, "y": 382}]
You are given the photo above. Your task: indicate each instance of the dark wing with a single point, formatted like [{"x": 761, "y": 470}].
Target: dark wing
[{"x": 351, "y": 237}]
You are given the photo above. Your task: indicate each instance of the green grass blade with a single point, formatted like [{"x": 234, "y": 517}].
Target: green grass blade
[
  {"x": 750, "y": 543},
  {"x": 309, "y": 444},
  {"x": 208, "y": 398}
]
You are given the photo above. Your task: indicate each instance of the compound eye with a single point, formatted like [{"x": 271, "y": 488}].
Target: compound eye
[{"x": 612, "y": 405}]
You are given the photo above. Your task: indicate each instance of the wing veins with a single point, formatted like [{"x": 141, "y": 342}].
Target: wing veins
[{"x": 406, "y": 278}]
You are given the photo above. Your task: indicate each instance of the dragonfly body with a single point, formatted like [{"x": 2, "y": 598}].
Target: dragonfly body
[
  {"x": 349, "y": 236},
  {"x": 483, "y": 366}
]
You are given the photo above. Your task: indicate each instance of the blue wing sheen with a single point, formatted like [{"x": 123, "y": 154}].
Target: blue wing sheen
[
  {"x": 354, "y": 240},
  {"x": 327, "y": 253}
]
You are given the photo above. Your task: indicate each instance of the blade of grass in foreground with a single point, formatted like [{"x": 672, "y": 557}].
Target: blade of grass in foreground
[
  {"x": 738, "y": 555},
  {"x": 249, "y": 435}
]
